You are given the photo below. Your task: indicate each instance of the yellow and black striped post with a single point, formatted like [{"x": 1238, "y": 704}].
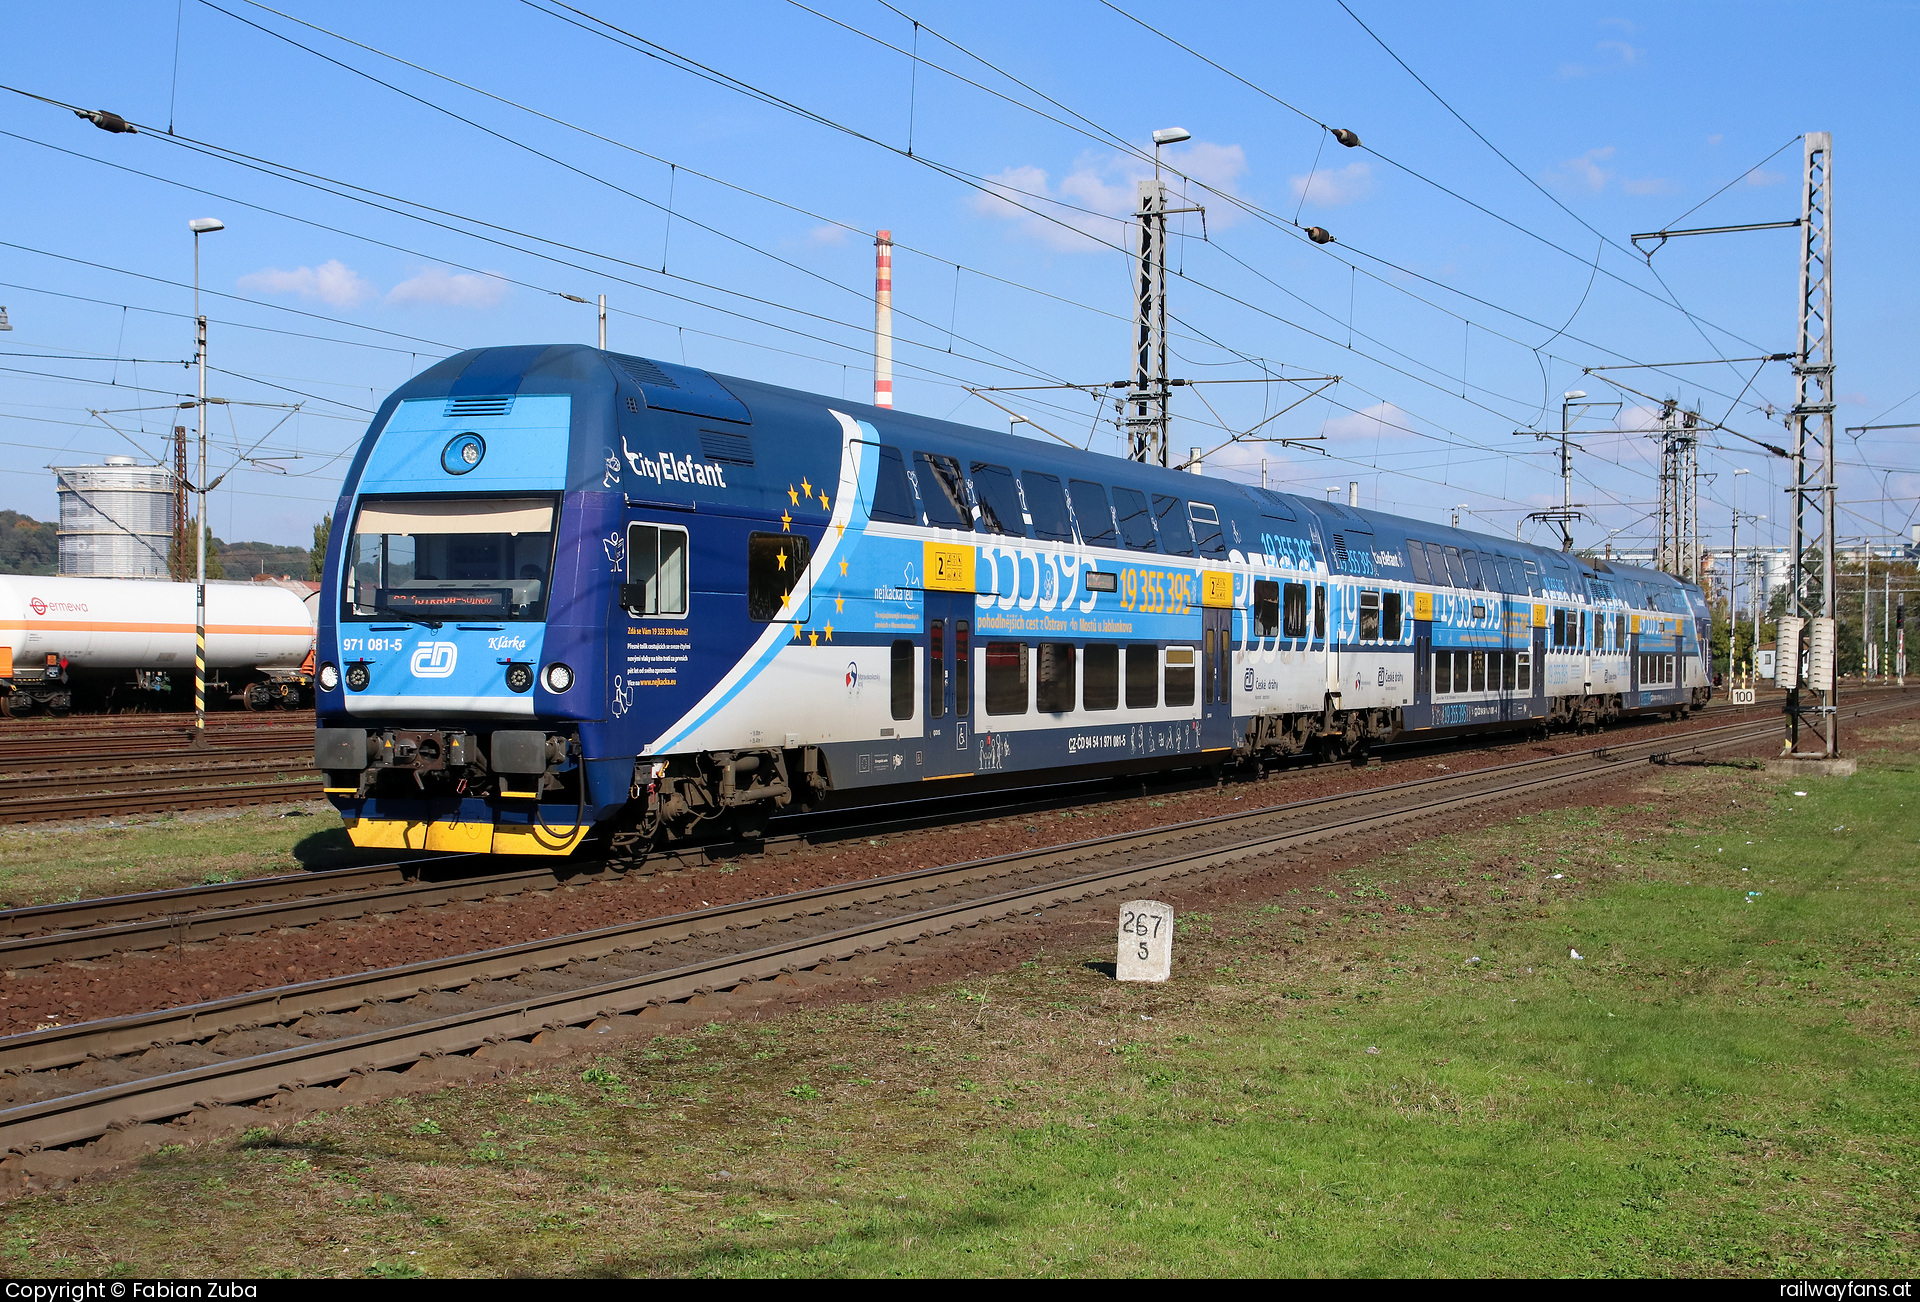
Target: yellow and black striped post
[{"x": 200, "y": 658}]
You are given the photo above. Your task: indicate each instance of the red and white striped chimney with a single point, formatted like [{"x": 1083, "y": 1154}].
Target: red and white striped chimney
[{"x": 883, "y": 319}]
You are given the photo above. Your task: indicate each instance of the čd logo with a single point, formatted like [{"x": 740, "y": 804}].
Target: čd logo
[{"x": 435, "y": 660}]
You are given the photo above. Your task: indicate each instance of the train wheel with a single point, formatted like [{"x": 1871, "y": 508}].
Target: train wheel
[
  {"x": 258, "y": 696},
  {"x": 15, "y": 705}
]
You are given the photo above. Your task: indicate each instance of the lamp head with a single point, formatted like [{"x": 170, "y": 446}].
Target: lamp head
[
  {"x": 206, "y": 225},
  {"x": 1171, "y": 135},
  {"x": 1572, "y": 394}
]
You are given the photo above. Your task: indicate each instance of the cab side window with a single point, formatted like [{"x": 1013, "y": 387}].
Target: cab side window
[{"x": 656, "y": 570}]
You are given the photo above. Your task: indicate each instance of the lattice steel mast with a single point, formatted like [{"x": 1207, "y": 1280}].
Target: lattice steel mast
[{"x": 1814, "y": 699}]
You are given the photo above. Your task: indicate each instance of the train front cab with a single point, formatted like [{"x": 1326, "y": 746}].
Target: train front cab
[{"x": 456, "y": 650}]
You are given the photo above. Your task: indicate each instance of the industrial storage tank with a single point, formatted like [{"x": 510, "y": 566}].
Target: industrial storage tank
[
  {"x": 101, "y": 637},
  {"x": 116, "y": 519}
]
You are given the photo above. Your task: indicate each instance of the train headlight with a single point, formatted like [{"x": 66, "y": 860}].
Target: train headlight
[
  {"x": 329, "y": 676},
  {"x": 462, "y": 453},
  {"x": 559, "y": 677},
  {"x": 358, "y": 676},
  {"x": 519, "y": 676}
]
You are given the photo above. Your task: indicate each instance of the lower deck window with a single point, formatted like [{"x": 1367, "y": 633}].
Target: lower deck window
[
  {"x": 775, "y": 562},
  {"x": 1007, "y": 678},
  {"x": 1180, "y": 675},
  {"x": 1266, "y": 608},
  {"x": 1055, "y": 692},
  {"x": 1143, "y": 676},
  {"x": 1296, "y": 610},
  {"x": 1482, "y": 671},
  {"x": 1657, "y": 671},
  {"x": 1102, "y": 690}
]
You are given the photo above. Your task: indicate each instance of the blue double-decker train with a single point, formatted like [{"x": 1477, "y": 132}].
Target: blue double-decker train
[{"x": 572, "y": 594}]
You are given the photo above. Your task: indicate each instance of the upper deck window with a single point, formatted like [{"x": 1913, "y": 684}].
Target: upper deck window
[
  {"x": 1047, "y": 504},
  {"x": 1136, "y": 522},
  {"x": 1206, "y": 530},
  {"x": 449, "y": 559},
  {"x": 1176, "y": 534},
  {"x": 892, "y": 496},
  {"x": 999, "y": 500},
  {"x": 942, "y": 491},
  {"x": 1095, "y": 516}
]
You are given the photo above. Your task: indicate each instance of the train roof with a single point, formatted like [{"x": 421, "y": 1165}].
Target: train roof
[{"x": 592, "y": 376}]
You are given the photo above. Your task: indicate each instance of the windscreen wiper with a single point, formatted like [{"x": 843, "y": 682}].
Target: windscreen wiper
[{"x": 410, "y": 616}]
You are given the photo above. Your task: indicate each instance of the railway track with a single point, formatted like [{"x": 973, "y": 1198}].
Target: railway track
[
  {"x": 176, "y": 724},
  {"x": 38, "y": 935},
  {"x": 77, "y": 930},
  {"x": 85, "y": 774},
  {"x": 69, "y": 1084},
  {"x": 56, "y": 754}
]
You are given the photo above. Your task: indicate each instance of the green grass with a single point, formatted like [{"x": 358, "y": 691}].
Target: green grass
[
  {"x": 41, "y": 865},
  {"x": 1331, "y": 1085}
]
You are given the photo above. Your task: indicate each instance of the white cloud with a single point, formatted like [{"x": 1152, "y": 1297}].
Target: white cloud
[
  {"x": 827, "y": 235},
  {"x": 1332, "y": 187},
  {"x": 438, "y": 287},
  {"x": 1637, "y": 418},
  {"x": 1760, "y": 176},
  {"x": 1715, "y": 139},
  {"x": 1586, "y": 170},
  {"x": 1103, "y": 188},
  {"x": 1648, "y": 185},
  {"x": 332, "y": 282},
  {"x": 1382, "y": 420},
  {"x": 1630, "y": 55},
  {"x": 1624, "y": 24}
]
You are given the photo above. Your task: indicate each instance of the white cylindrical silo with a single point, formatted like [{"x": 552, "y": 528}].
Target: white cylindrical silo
[{"x": 116, "y": 519}]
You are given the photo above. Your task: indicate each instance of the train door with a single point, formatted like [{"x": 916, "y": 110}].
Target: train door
[
  {"x": 1511, "y": 707},
  {"x": 1323, "y": 639},
  {"x": 949, "y": 694},
  {"x": 1423, "y": 657},
  {"x": 1216, "y": 678}
]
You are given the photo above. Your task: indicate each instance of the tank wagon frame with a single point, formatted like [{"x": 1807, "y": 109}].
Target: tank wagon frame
[{"x": 574, "y": 593}]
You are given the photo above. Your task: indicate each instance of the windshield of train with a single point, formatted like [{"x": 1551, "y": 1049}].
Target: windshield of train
[{"x": 481, "y": 559}]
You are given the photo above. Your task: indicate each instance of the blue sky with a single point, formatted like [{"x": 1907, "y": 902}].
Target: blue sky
[{"x": 1460, "y": 299}]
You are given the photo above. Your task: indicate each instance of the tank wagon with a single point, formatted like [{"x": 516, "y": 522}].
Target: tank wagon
[
  {"x": 94, "y": 644},
  {"x": 575, "y": 593}
]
